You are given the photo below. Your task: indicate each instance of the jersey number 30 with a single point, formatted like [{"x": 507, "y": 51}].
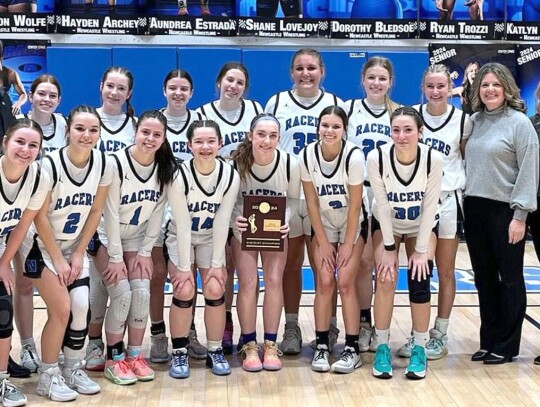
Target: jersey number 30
[{"x": 410, "y": 213}]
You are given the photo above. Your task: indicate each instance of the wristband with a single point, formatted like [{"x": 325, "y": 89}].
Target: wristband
[{"x": 390, "y": 248}]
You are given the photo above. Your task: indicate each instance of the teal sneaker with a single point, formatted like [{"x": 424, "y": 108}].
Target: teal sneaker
[
  {"x": 417, "y": 367},
  {"x": 382, "y": 364},
  {"x": 437, "y": 347}
]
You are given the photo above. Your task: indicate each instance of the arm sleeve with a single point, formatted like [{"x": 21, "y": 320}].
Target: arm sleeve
[
  {"x": 383, "y": 208},
  {"x": 524, "y": 193},
  {"x": 430, "y": 202},
  {"x": 222, "y": 221},
  {"x": 182, "y": 218},
  {"x": 153, "y": 227},
  {"x": 111, "y": 218}
]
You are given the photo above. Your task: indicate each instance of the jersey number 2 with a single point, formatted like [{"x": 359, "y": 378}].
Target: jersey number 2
[{"x": 72, "y": 223}]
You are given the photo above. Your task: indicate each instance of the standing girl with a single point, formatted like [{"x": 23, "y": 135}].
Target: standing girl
[
  {"x": 131, "y": 224},
  {"x": 45, "y": 96},
  {"x": 24, "y": 188},
  {"x": 446, "y": 130},
  {"x": 406, "y": 181},
  {"x": 178, "y": 90},
  {"x": 201, "y": 199},
  {"x": 55, "y": 253},
  {"x": 333, "y": 177},
  {"x": 233, "y": 114},
  {"x": 297, "y": 111},
  {"x": 369, "y": 127},
  {"x": 264, "y": 170},
  {"x": 117, "y": 132}
]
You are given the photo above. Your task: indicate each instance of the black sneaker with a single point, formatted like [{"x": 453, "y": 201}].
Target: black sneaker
[{"x": 16, "y": 370}]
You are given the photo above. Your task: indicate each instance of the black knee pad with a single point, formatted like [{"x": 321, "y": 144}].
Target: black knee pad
[
  {"x": 75, "y": 339},
  {"x": 6, "y": 314},
  {"x": 215, "y": 303},
  {"x": 81, "y": 282},
  {"x": 183, "y": 303},
  {"x": 420, "y": 291}
]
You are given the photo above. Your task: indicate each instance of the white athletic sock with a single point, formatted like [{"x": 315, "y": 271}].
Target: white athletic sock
[
  {"x": 441, "y": 325},
  {"x": 133, "y": 351},
  {"x": 28, "y": 341},
  {"x": 213, "y": 345},
  {"x": 383, "y": 336},
  {"x": 421, "y": 338}
]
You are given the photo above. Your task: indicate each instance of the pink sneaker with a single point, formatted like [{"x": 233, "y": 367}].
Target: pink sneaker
[
  {"x": 140, "y": 368},
  {"x": 271, "y": 360},
  {"x": 118, "y": 372},
  {"x": 252, "y": 361}
]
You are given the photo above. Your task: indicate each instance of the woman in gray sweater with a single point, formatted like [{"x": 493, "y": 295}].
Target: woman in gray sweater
[{"x": 501, "y": 159}]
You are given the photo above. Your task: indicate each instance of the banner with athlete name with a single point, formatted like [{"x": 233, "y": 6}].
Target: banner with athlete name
[
  {"x": 283, "y": 18},
  {"x": 462, "y": 19},
  {"x": 528, "y": 74},
  {"x": 27, "y": 17},
  {"x": 374, "y": 19}
]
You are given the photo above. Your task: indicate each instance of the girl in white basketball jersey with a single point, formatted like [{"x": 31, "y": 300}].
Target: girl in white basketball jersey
[
  {"x": 117, "y": 132},
  {"x": 369, "y": 127},
  {"x": 264, "y": 170},
  {"x": 130, "y": 226},
  {"x": 45, "y": 95},
  {"x": 24, "y": 188},
  {"x": 406, "y": 179},
  {"x": 201, "y": 198},
  {"x": 333, "y": 178},
  {"x": 55, "y": 253},
  {"x": 298, "y": 113},
  {"x": 234, "y": 114},
  {"x": 178, "y": 90},
  {"x": 446, "y": 130}
]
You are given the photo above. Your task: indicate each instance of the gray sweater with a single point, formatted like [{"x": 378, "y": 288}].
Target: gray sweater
[{"x": 501, "y": 159}]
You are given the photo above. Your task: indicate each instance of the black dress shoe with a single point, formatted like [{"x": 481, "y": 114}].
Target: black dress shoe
[
  {"x": 479, "y": 355},
  {"x": 494, "y": 359},
  {"x": 16, "y": 370},
  {"x": 537, "y": 360}
]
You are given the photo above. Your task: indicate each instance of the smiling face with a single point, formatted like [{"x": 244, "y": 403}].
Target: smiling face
[
  {"x": 405, "y": 133},
  {"x": 83, "y": 132},
  {"x": 470, "y": 72},
  {"x": 232, "y": 85},
  {"x": 178, "y": 92},
  {"x": 45, "y": 99},
  {"x": 115, "y": 91},
  {"x": 22, "y": 147},
  {"x": 436, "y": 87},
  {"x": 307, "y": 73},
  {"x": 264, "y": 139},
  {"x": 376, "y": 82},
  {"x": 204, "y": 144},
  {"x": 331, "y": 129},
  {"x": 150, "y": 135},
  {"x": 491, "y": 92}
]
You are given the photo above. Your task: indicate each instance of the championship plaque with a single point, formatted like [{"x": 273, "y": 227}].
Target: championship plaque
[{"x": 265, "y": 215}]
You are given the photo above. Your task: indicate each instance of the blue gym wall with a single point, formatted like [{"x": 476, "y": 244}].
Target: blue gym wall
[{"x": 79, "y": 70}]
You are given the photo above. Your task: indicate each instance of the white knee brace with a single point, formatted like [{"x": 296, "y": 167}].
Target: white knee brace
[
  {"x": 140, "y": 303},
  {"x": 98, "y": 296},
  {"x": 120, "y": 294}
]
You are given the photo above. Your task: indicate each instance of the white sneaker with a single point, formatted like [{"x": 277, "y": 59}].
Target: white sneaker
[
  {"x": 30, "y": 358},
  {"x": 348, "y": 361},
  {"x": 320, "y": 359},
  {"x": 95, "y": 359},
  {"x": 365, "y": 338},
  {"x": 437, "y": 347},
  {"x": 77, "y": 379},
  {"x": 159, "y": 349},
  {"x": 10, "y": 395},
  {"x": 51, "y": 384},
  {"x": 406, "y": 350}
]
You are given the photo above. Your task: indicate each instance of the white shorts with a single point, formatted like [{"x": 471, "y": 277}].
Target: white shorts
[
  {"x": 129, "y": 244},
  {"x": 335, "y": 226},
  {"x": 202, "y": 249},
  {"x": 35, "y": 256},
  {"x": 299, "y": 223},
  {"x": 451, "y": 214}
]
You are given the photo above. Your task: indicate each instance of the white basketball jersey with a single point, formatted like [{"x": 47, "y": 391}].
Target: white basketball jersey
[
  {"x": 405, "y": 196},
  {"x": 273, "y": 184},
  {"x": 232, "y": 133},
  {"x": 118, "y": 137},
  {"x": 71, "y": 200},
  {"x": 332, "y": 180},
  {"x": 54, "y": 135},
  {"x": 12, "y": 208},
  {"x": 446, "y": 138},
  {"x": 366, "y": 129},
  {"x": 138, "y": 196},
  {"x": 204, "y": 194},
  {"x": 298, "y": 122},
  {"x": 177, "y": 134}
]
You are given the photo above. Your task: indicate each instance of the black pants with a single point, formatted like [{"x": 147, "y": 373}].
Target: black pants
[
  {"x": 534, "y": 226},
  {"x": 498, "y": 274}
]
